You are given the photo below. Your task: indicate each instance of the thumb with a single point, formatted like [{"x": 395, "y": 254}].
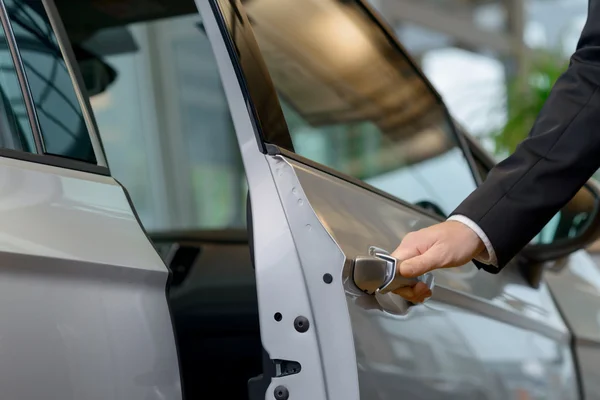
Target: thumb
[{"x": 420, "y": 264}]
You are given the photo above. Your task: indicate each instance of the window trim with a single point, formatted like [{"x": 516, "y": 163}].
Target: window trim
[
  {"x": 66, "y": 50},
  {"x": 274, "y": 150},
  {"x": 480, "y": 156},
  {"x": 55, "y": 161},
  {"x": 259, "y": 72},
  {"x": 22, "y": 78},
  {"x": 40, "y": 156}
]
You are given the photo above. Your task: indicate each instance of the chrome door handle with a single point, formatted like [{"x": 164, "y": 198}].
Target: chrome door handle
[{"x": 377, "y": 273}]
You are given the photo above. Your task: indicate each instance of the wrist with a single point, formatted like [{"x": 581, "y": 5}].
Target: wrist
[
  {"x": 483, "y": 251},
  {"x": 469, "y": 237}
]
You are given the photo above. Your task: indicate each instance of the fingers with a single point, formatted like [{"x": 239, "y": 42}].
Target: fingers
[
  {"x": 417, "y": 294},
  {"x": 421, "y": 264},
  {"x": 413, "y": 252},
  {"x": 445, "y": 245},
  {"x": 405, "y": 251}
]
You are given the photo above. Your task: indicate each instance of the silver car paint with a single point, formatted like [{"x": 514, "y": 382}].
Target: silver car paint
[
  {"x": 279, "y": 277},
  {"x": 481, "y": 337},
  {"x": 84, "y": 312},
  {"x": 575, "y": 284},
  {"x": 499, "y": 335}
]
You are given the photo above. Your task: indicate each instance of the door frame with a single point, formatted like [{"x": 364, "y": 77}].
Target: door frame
[{"x": 279, "y": 290}]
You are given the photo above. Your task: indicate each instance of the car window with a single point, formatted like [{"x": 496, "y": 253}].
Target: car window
[
  {"x": 166, "y": 127},
  {"x": 63, "y": 128},
  {"x": 15, "y": 128},
  {"x": 353, "y": 102}
]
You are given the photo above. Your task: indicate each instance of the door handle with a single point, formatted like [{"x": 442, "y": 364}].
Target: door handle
[{"x": 377, "y": 273}]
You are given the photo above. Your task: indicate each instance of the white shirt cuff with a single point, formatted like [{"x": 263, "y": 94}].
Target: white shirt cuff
[{"x": 487, "y": 257}]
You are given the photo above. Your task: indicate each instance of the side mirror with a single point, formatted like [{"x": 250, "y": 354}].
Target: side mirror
[
  {"x": 431, "y": 207},
  {"x": 574, "y": 227}
]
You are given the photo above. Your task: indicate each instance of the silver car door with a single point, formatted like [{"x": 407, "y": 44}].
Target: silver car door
[
  {"x": 83, "y": 309},
  {"x": 335, "y": 124}
]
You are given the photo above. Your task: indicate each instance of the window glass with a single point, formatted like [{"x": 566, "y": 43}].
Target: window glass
[
  {"x": 166, "y": 127},
  {"x": 64, "y": 131},
  {"x": 15, "y": 129},
  {"x": 353, "y": 102}
]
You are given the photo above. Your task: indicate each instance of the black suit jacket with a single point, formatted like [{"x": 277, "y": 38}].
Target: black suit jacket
[{"x": 522, "y": 193}]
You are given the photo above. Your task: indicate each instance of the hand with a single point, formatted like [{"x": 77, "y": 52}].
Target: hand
[{"x": 445, "y": 245}]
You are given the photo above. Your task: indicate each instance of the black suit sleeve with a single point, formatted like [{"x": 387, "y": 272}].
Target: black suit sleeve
[{"x": 522, "y": 193}]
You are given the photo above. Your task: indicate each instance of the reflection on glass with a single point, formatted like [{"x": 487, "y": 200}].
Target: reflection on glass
[
  {"x": 64, "y": 130},
  {"x": 16, "y": 133},
  {"x": 571, "y": 221},
  {"x": 353, "y": 101},
  {"x": 166, "y": 127},
  {"x": 449, "y": 353}
]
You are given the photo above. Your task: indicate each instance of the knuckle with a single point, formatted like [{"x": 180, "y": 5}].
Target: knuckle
[{"x": 407, "y": 269}]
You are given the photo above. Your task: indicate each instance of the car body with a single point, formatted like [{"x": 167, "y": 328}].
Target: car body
[{"x": 182, "y": 284}]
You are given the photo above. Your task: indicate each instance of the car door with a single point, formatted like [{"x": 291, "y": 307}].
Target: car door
[
  {"x": 84, "y": 312},
  {"x": 343, "y": 140}
]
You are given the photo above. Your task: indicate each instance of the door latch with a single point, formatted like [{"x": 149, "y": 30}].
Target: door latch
[{"x": 377, "y": 273}]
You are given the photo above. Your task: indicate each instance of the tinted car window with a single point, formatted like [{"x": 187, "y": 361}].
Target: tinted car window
[
  {"x": 354, "y": 102},
  {"x": 64, "y": 131},
  {"x": 15, "y": 129}
]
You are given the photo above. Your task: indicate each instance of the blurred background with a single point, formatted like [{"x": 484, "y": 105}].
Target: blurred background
[{"x": 493, "y": 61}]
